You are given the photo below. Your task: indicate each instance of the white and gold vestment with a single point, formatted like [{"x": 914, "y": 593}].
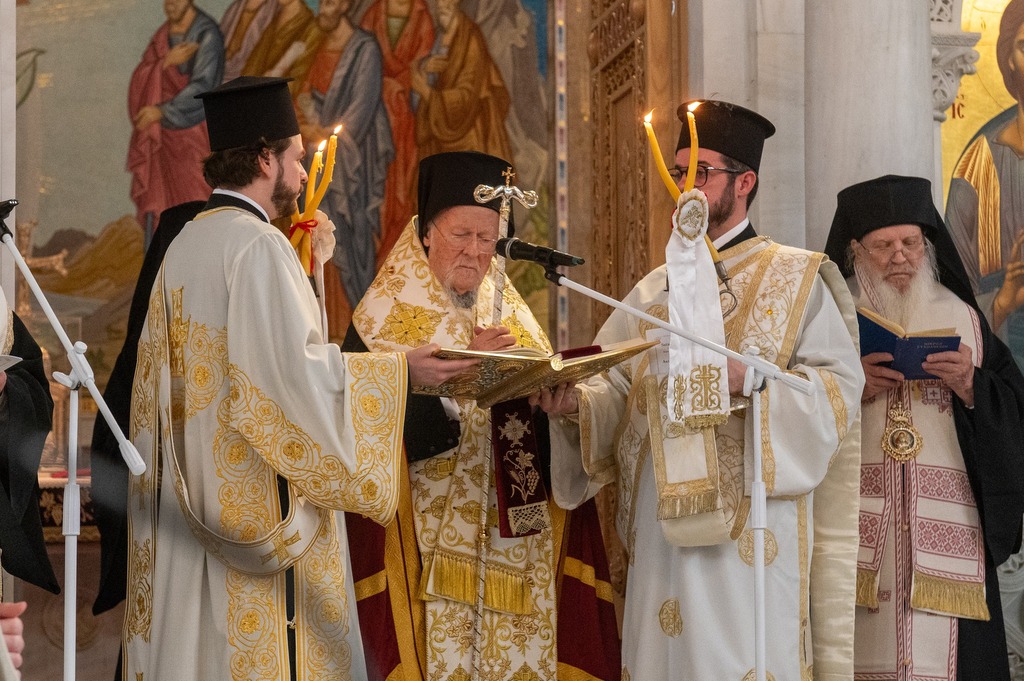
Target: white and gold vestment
[
  {"x": 689, "y": 611},
  {"x": 235, "y": 390}
]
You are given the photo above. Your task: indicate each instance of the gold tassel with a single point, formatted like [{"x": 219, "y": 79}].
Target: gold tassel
[
  {"x": 681, "y": 507},
  {"x": 945, "y": 596},
  {"x": 867, "y": 588},
  {"x": 456, "y": 577}
]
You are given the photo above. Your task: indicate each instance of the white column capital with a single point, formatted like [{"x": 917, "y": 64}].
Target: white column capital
[{"x": 953, "y": 57}]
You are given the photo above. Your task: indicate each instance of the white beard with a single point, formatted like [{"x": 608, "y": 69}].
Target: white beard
[{"x": 891, "y": 303}]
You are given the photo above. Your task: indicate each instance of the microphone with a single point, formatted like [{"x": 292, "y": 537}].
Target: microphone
[
  {"x": 514, "y": 249},
  {"x": 6, "y": 207}
]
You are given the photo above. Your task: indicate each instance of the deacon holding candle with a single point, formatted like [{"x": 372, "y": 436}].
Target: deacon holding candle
[
  {"x": 262, "y": 429},
  {"x": 685, "y": 515}
]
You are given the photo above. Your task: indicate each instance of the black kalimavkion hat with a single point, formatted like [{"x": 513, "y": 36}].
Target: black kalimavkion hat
[
  {"x": 450, "y": 179},
  {"x": 729, "y": 129},
  {"x": 245, "y": 110}
]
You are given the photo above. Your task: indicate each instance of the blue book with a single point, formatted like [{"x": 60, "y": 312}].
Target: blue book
[{"x": 909, "y": 350}]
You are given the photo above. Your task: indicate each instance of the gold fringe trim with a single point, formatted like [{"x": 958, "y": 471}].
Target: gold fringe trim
[
  {"x": 506, "y": 590},
  {"x": 681, "y": 507},
  {"x": 702, "y": 421},
  {"x": 945, "y": 596},
  {"x": 867, "y": 588}
]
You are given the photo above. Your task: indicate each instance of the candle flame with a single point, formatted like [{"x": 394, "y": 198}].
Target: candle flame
[
  {"x": 649, "y": 116},
  {"x": 692, "y": 106},
  {"x": 320, "y": 147},
  {"x": 337, "y": 129}
]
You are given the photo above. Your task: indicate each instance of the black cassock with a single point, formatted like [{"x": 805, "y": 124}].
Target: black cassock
[
  {"x": 26, "y": 412},
  {"x": 991, "y": 437}
]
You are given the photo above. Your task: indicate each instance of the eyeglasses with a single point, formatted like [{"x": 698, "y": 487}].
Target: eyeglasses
[
  {"x": 885, "y": 250},
  {"x": 462, "y": 240},
  {"x": 700, "y": 176}
]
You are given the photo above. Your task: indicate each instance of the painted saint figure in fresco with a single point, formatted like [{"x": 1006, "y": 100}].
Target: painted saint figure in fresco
[
  {"x": 184, "y": 58},
  {"x": 405, "y": 32},
  {"x": 463, "y": 99},
  {"x": 243, "y": 23},
  {"x": 986, "y": 198},
  {"x": 343, "y": 85},
  {"x": 271, "y": 55}
]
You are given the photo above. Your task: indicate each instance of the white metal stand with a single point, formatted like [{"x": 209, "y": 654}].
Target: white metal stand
[
  {"x": 81, "y": 374},
  {"x": 755, "y": 380}
]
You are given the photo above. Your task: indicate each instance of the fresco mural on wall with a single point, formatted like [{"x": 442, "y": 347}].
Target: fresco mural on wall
[
  {"x": 108, "y": 132},
  {"x": 983, "y": 164}
]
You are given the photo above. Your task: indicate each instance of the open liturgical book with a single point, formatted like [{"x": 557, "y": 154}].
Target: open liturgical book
[
  {"x": 909, "y": 350},
  {"x": 508, "y": 374}
]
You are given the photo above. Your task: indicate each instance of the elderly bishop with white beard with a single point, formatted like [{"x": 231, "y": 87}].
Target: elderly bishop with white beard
[{"x": 942, "y": 459}]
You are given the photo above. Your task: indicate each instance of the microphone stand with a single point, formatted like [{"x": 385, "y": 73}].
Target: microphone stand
[
  {"x": 81, "y": 374},
  {"x": 759, "y": 371}
]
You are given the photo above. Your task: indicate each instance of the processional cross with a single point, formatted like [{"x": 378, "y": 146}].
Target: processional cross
[{"x": 485, "y": 194}]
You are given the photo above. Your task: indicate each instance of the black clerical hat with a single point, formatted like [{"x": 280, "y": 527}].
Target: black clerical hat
[
  {"x": 728, "y": 129},
  {"x": 451, "y": 178},
  {"x": 244, "y": 110},
  {"x": 882, "y": 202},
  {"x": 896, "y": 200}
]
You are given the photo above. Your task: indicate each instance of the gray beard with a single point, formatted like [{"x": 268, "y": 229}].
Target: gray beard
[
  {"x": 901, "y": 306},
  {"x": 463, "y": 301}
]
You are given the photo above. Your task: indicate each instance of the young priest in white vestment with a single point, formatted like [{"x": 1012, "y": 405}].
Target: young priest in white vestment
[
  {"x": 675, "y": 437},
  {"x": 256, "y": 432}
]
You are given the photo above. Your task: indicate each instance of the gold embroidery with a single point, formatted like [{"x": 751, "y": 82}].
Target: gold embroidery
[
  {"x": 626, "y": 676},
  {"x": 803, "y": 553},
  {"x": 255, "y": 626},
  {"x": 178, "y": 333},
  {"x": 752, "y": 676},
  {"x": 522, "y": 335},
  {"x": 745, "y": 547},
  {"x": 835, "y": 398},
  {"x": 409, "y": 325},
  {"x": 322, "y": 604},
  {"x": 670, "y": 619},
  {"x": 280, "y": 550},
  {"x": 706, "y": 386},
  {"x": 206, "y": 366},
  {"x": 525, "y": 674},
  {"x": 139, "y": 617}
]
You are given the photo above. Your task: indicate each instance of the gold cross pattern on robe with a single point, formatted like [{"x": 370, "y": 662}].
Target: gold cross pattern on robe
[{"x": 280, "y": 548}]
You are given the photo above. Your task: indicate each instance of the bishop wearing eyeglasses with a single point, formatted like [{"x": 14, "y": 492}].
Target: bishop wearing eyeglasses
[
  {"x": 942, "y": 459},
  {"x": 454, "y": 588}
]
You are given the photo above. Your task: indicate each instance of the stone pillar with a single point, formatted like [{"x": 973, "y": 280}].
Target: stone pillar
[
  {"x": 868, "y": 99},
  {"x": 751, "y": 54},
  {"x": 7, "y": 107}
]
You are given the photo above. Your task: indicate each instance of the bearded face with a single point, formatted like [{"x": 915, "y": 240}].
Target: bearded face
[{"x": 896, "y": 267}]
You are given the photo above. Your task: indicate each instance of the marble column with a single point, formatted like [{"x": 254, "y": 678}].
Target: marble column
[
  {"x": 7, "y": 107},
  {"x": 868, "y": 99}
]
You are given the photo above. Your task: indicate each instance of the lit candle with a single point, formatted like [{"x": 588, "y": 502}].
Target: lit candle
[
  {"x": 659, "y": 160},
  {"x": 310, "y": 206},
  {"x": 321, "y": 189},
  {"x": 691, "y": 168}
]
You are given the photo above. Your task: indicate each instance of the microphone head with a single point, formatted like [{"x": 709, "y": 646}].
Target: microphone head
[{"x": 6, "y": 207}]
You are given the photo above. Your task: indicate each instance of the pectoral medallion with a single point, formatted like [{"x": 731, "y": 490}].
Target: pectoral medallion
[{"x": 901, "y": 440}]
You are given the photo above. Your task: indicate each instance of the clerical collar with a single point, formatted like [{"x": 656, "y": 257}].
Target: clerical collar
[
  {"x": 731, "y": 234},
  {"x": 243, "y": 197}
]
